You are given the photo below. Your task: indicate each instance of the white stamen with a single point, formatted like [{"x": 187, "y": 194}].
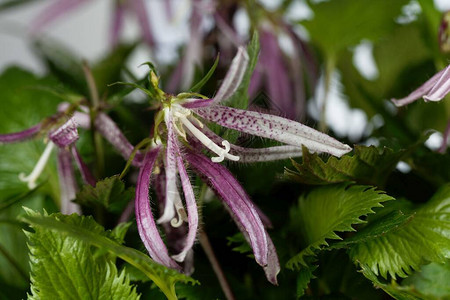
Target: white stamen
[
  {"x": 34, "y": 175},
  {"x": 222, "y": 153}
]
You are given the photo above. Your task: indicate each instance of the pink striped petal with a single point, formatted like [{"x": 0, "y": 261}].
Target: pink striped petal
[
  {"x": 146, "y": 225},
  {"x": 423, "y": 90},
  {"x": 67, "y": 183},
  {"x": 236, "y": 200},
  {"x": 86, "y": 174},
  {"x": 109, "y": 130},
  {"x": 65, "y": 135},
  {"x": 197, "y": 103},
  {"x": 441, "y": 88},
  {"x": 52, "y": 12},
  {"x": 273, "y": 127},
  {"x": 234, "y": 76},
  {"x": 191, "y": 207},
  {"x": 140, "y": 10},
  {"x": 117, "y": 23},
  {"x": 21, "y": 135}
]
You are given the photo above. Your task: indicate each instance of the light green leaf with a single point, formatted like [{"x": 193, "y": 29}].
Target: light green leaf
[
  {"x": 432, "y": 281},
  {"x": 425, "y": 238},
  {"x": 85, "y": 230},
  {"x": 64, "y": 267},
  {"x": 368, "y": 165},
  {"x": 330, "y": 209},
  {"x": 303, "y": 278}
]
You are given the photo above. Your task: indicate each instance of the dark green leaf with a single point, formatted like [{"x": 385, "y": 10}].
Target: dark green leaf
[
  {"x": 303, "y": 278},
  {"x": 432, "y": 281},
  {"x": 368, "y": 165}
]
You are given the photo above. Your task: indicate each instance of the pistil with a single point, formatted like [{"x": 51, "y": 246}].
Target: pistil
[{"x": 34, "y": 175}]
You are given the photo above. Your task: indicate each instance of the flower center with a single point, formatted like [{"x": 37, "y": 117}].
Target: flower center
[{"x": 182, "y": 116}]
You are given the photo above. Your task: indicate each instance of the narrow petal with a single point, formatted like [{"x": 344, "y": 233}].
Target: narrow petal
[
  {"x": 197, "y": 103},
  {"x": 273, "y": 264},
  {"x": 236, "y": 200},
  {"x": 146, "y": 225},
  {"x": 65, "y": 135},
  {"x": 52, "y": 12},
  {"x": 171, "y": 189},
  {"x": 250, "y": 155},
  {"x": 273, "y": 127},
  {"x": 67, "y": 183},
  {"x": 140, "y": 10},
  {"x": 191, "y": 207},
  {"x": 423, "y": 90},
  {"x": 234, "y": 76},
  {"x": 441, "y": 88},
  {"x": 20, "y": 136},
  {"x": 109, "y": 130},
  {"x": 86, "y": 174},
  {"x": 117, "y": 23}
]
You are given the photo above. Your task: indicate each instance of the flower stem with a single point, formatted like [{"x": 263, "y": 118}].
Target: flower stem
[
  {"x": 94, "y": 107},
  {"x": 206, "y": 245}
]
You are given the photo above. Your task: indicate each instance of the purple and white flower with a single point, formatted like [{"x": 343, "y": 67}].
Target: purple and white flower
[{"x": 180, "y": 134}]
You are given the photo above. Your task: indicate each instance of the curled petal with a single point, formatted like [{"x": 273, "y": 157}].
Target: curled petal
[
  {"x": 441, "y": 88},
  {"x": 236, "y": 200},
  {"x": 273, "y": 265},
  {"x": 146, "y": 225},
  {"x": 109, "y": 130},
  {"x": 65, "y": 135},
  {"x": 86, "y": 174},
  {"x": 191, "y": 207},
  {"x": 234, "y": 76},
  {"x": 21, "y": 135},
  {"x": 423, "y": 90},
  {"x": 67, "y": 183},
  {"x": 273, "y": 127}
]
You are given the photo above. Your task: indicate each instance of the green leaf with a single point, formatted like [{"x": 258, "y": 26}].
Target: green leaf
[
  {"x": 84, "y": 230},
  {"x": 330, "y": 209},
  {"x": 109, "y": 193},
  {"x": 392, "y": 289},
  {"x": 368, "y": 165},
  {"x": 198, "y": 86},
  {"x": 242, "y": 245},
  {"x": 303, "y": 278},
  {"x": 378, "y": 228},
  {"x": 64, "y": 267},
  {"x": 339, "y": 24},
  {"x": 425, "y": 238},
  {"x": 432, "y": 281}
]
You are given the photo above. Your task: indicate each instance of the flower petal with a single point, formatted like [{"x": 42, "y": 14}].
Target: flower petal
[
  {"x": 236, "y": 200},
  {"x": 273, "y": 265},
  {"x": 234, "y": 76},
  {"x": 273, "y": 127},
  {"x": 140, "y": 10},
  {"x": 117, "y": 23},
  {"x": 196, "y": 103},
  {"x": 67, "y": 183},
  {"x": 191, "y": 207},
  {"x": 52, "y": 12},
  {"x": 146, "y": 225},
  {"x": 65, "y": 135},
  {"x": 109, "y": 130},
  {"x": 86, "y": 174},
  {"x": 21, "y": 135},
  {"x": 421, "y": 91},
  {"x": 249, "y": 155},
  {"x": 441, "y": 88}
]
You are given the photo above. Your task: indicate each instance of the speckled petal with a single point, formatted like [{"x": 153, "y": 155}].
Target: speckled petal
[
  {"x": 273, "y": 127},
  {"x": 235, "y": 199},
  {"x": 65, "y": 135},
  {"x": 67, "y": 183},
  {"x": 20, "y": 136}
]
